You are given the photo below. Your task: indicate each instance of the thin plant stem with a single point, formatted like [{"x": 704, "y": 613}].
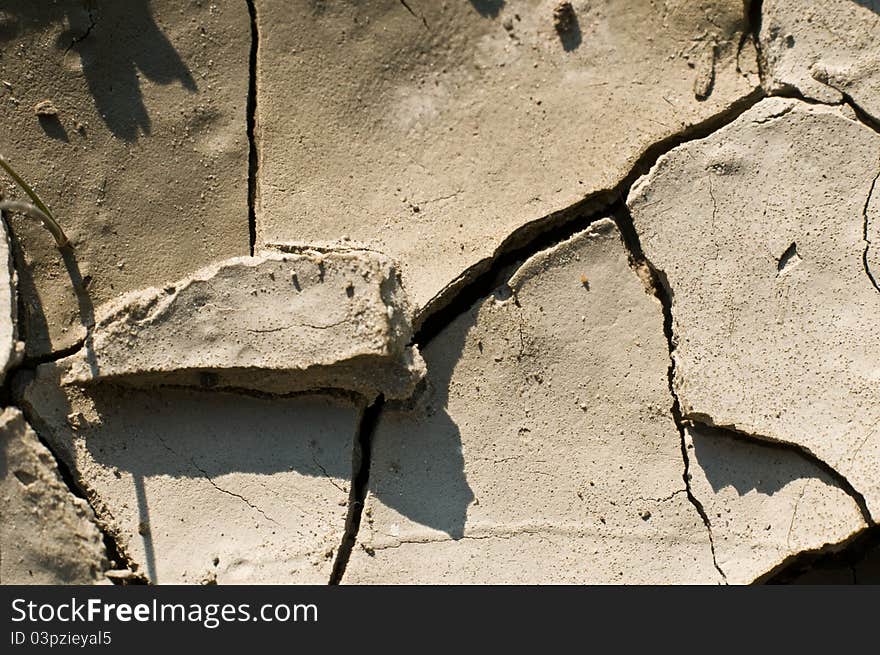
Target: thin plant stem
[
  {"x": 35, "y": 212},
  {"x": 38, "y": 210}
]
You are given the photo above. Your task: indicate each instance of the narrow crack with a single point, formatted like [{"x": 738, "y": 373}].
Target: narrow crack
[
  {"x": 415, "y": 15},
  {"x": 864, "y": 117},
  {"x": 664, "y": 294},
  {"x": 327, "y": 475},
  {"x": 253, "y": 154},
  {"x": 665, "y": 499},
  {"x": 82, "y": 37},
  {"x": 481, "y": 279},
  {"x": 231, "y": 493},
  {"x": 210, "y": 480},
  {"x": 360, "y": 477},
  {"x": 865, "y": 236}
]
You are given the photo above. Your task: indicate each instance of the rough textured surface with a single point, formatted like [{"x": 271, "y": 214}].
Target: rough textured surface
[
  {"x": 145, "y": 163},
  {"x": 433, "y": 137},
  {"x": 47, "y": 535},
  {"x": 545, "y": 450},
  {"x": 824, "y": 49},
  {"x": 277, "y": 322},
  {"x": 201, "y": 487},
  {"x": 774, "y": 314},
  {"x": 765, "y": 503},
  {"x": 217, "y": 405}
]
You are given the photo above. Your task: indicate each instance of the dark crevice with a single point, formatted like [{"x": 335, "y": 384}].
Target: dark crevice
[
  {"x": 792, "y": 93},
  {"x": 45, "y": 358},
  {"x": 865, "y": 237},
  {"x": 357, "y": 494},
  {"x": 663, "y": 293},
  {"x": 119, "y": 559},
  {"x": 861, "y": 114},
  {"x": 844, "y": 556},
  {"x": 846, "y": 101},
  {"x": 253, "y": 155},
  {"x": 841, "y": 481},
  {"x": 754, "y": 14},
  {"x": 482, "y": 278}
]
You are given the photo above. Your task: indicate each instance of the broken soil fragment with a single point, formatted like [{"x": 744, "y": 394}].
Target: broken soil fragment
[
  {"x": 544, "y": 450},
  {"x": 826, "y": 50},
  {"x": 765, "y": 503},
  {"x": 47, "y": 535},
  {"x": 275, "y": 323},
  {"x": 204, "y": 485},
  {"x": 774, "y": 312},
  {"x": 46, "y": 109}
]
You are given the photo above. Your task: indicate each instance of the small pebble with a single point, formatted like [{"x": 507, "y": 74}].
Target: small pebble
[{"x": 45, "y": 108}]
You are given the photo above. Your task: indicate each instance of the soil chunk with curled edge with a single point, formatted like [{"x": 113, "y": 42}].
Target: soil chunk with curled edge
[{"x": 275, "y": 323}]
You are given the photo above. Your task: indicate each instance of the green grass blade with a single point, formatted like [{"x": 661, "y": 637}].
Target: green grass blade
[{"x": 47, "y": 218}]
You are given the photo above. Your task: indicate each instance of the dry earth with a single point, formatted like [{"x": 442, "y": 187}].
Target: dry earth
[{"x": 483, "y": 291}]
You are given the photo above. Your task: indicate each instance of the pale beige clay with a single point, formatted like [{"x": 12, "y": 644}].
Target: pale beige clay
[
  {"x": 205, "y": 486},
  {"x": 759, "y": 230},
  {"x": 47, "y": 535},
  {"x": 435, "y": 140},
  {"x": 827, "y": 50},
  {"x": 203, "y": 361},
  {"x": 545, "y": 450},
  {"x": 765, "y": 504},
  {"x": 145, "y": 158},
  {"x": 278, "y": 322}
]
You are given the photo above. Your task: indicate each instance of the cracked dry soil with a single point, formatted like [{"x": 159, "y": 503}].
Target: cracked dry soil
[{"x": 414, "y": 292}]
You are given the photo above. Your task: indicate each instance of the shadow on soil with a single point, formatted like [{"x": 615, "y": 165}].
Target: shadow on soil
[
  {"x": 140, "y": 438},
  {"x": 732, "y": 461},
  {"x": 488, "y": 8},
  {"x": 116, "y": 42},
  {"x": 417, "y": 464}
]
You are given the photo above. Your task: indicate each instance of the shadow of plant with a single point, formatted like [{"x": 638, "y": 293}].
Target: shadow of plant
[{"x": 116, "y": 42}]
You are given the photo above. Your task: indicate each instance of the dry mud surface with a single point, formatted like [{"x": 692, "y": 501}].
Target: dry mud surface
[{"x": 489, "y": 291}]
